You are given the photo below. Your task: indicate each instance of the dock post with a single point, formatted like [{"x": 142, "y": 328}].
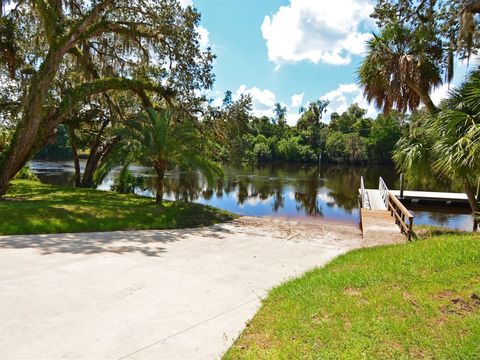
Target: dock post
[
  {"x": 401, "y": 186},
  {"x": 478, "y": 189}
]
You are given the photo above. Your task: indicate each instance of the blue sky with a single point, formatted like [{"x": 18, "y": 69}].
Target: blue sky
[{"x": 290, "y": 51}]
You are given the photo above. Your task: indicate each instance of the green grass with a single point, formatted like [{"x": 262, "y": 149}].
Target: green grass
[
  {"x": 411, "y": 301},
  {"x": 34, "y": 208}
]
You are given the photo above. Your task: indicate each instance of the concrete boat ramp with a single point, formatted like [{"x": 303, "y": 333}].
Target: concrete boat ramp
[{"x": 171, "y": 294}]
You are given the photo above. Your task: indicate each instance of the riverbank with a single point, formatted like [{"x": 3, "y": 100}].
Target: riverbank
[
  {"x": 31, "y": 207},
  {"x": 415, "y": 300}
]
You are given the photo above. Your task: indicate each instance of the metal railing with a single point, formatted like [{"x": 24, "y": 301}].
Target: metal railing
[
  {"x": 383, "y": 191},
  {"x": 364, "y": 199}
]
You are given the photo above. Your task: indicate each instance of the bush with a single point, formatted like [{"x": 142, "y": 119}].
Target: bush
[
  {"x": 125, "y": 182},
  {"x": 342, "y": 147},
  {"x": 262, "y": 152},
  {"x": 292, "y": 150},
  {"x": 26, "y": 174}
]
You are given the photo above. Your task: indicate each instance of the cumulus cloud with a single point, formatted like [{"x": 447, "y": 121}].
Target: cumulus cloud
[
  {"x": 204, "y": 37},
  {"x": 297, "y": 99},
  {"x": 318, "y": 31},
  {"x": 185, "y": 3},
  {"x": 343, "y": 96},
  {"x": 263, "y": 101}
]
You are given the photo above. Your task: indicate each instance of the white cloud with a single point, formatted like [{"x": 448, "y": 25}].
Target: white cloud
[
  {"x": 185, "y": 3},
  {"x": 345, "y": 95},
  {"x": 263, "y": 101},
  {"x": 204, "y": 37},
  {"x": 297, "y": 99},
  {"x": 462, "y": 68},
  {"x": 327, "y": 31}
]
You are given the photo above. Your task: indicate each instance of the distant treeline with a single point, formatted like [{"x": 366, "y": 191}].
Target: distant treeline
[
  {"x": 239, "y": 137},
  {"x": 350, "y": 137}
]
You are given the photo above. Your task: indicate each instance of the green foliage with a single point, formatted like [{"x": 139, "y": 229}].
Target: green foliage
[
  {"x": 349, "y": 148},
  {"x": 36, "y": 208},
  {"x": 384, "y": 134},
  {"x": 261, "y": 149},
  {"x": 161, "y": 140},
  {"x": 5, "y": 138},
  {"x": 59, "y": 149},
  {"x": 401, "y": 67},
  {"x": 446, "y": 145},
  {"x": 292, "y": 150},
  {"x": 125, "y": 182},
  {"x": 26, "y": 174},
  {"x": 408, "y": 301},
  {"x": 348, "y": 138}
]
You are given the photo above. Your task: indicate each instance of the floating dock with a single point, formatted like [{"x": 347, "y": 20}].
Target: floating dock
[{"x": 383, "y": 214}]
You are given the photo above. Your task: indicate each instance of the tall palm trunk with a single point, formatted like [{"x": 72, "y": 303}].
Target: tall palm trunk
[
  {"x": 472, "y": 200},
  {"x": 160, "y": 170}
]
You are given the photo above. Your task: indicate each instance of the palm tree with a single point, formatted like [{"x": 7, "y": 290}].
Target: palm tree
[
  {"x": 155, "y": 139},
  {"x": 447, "y": 145},
  {"x": 401, "y": 68}
]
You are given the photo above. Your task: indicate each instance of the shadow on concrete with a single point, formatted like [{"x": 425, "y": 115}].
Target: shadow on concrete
[{"x": 148, "y": 242}]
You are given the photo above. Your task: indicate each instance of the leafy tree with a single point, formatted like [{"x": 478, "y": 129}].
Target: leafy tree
[
  {"x": 311, "y": 122},
  {"x": 148, "y": 48},
  {"x": 384, "y": 134},
  {"x": 262, "y": 152},
  {"x": 229, "y": 126},
  {"x": 346, "y": 121},
  {"x": 341, "y": 147},
  {"x": 448, "y": 144},
  {"x": 160, "y": 141},
  {"x": 401, "y": 68},
  {"x": 293, "y": 150},
  {"x": 280, "y": 114},
  {"x": 452, "y": 23}
]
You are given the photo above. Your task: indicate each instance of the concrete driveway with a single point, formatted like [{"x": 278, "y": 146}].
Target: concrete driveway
[{"x": 173, "y": 294}]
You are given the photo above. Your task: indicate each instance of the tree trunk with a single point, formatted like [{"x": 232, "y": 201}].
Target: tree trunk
[
  {"x": 472, "y": 6},
  {"x": 76, "y": 161},
  {"x": 427, "y": 101},
  {"x": 471, "y": 197},
  {"x": 160, "y": 178}
]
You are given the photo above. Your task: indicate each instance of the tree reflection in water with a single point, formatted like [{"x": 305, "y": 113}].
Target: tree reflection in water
[{"x": 328, "y": 191}]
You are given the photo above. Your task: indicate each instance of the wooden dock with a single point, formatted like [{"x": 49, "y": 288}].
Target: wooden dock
[{"x": 383, "y": 214}]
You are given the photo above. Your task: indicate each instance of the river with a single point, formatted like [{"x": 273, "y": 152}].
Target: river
[{"x": 325, "y": 193}]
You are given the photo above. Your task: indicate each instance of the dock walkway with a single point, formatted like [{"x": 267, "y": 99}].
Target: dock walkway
[{"x": 382, "y": 215}]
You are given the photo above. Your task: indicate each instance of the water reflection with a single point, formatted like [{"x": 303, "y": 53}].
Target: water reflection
[{"x": 293, "y": 191}]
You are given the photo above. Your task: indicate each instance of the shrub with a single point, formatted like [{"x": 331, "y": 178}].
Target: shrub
[
  {"x": 262, "y": 152},
  {"x": 292, "y": 150},
  {"x": 125, "y": 182},
  {"x": 26, "y": 174}
]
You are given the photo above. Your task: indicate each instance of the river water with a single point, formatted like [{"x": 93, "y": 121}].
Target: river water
[{"x": 325, "y": 193}]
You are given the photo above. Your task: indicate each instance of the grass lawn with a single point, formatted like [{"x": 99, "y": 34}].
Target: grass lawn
[
  {"x": 34, "y": 208},
  {"x": 411, "y": 301}
]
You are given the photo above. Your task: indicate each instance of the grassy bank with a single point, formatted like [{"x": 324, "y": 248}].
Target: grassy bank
[
  {"x": 32, "y": 208},
  {"x": 418, "y": 300}
]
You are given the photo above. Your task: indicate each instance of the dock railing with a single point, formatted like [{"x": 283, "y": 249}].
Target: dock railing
[
  {"x": 364, "y": 200},
  {"x": 383, "y": 191},
  {"x": 403, "y": 217}
]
